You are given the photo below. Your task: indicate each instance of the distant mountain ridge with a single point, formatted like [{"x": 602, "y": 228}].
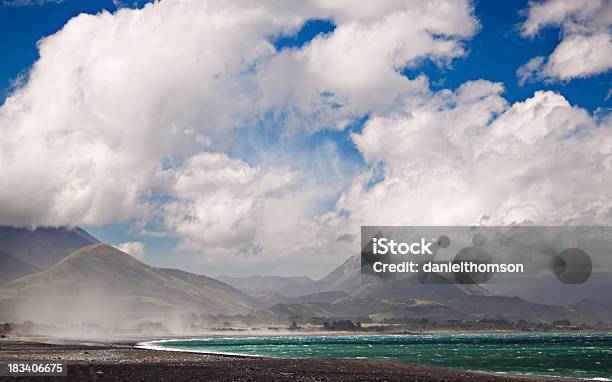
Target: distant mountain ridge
[
  {"x": 439, "y": 299},
  {"x": 287, "y": 286},
  {"x": 548, "y": 290},
  {"x": 345, "y": 277},
  {"x": 94, "y": 282},
  {"x": 374, "y": 307},
  {"x": 101, "y": 284}
]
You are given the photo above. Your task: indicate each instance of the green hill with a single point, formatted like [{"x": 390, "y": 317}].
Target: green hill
[
  {"x": 24, "y": 251},
  {"x": 101, "y": 284}
]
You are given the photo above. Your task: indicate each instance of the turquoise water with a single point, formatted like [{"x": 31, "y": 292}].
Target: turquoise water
[{"x": 582, "y": 355}]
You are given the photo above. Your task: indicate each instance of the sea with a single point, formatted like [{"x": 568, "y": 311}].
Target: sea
[{"x": 581, "y": 355}]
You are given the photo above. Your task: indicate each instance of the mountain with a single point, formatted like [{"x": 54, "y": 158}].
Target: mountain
[
  {"x": 549, "y": 290},
  {"x": 375, "y": 308},
  {"x": 408, "y": 288},
  {"x": 466, "y": 308},
  {"x": 43, "y": 246},
  {"x": 589, "y": 310},
  {"x": 345, "y": 277},
  {"x": 509, "y": 308},
  {"x": 329, "y": 296},
  {"x": 269, "y": 299},
  {"x": 12, "y": 268},
  {"x": 430, "y": 310},
  {"x": 346, "y": 281},
  {"x": 211, "y": 285},
  {"x": 287, "y": 286},
  {"x": 101, "y": 284},
  {"x": 439, "y": 298}
]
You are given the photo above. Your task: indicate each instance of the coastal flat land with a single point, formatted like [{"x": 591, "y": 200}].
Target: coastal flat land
[{"x": 123, "y": 362}]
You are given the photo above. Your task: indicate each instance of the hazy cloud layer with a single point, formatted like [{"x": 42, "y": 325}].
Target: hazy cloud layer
[{"x": 586, "y": 47}]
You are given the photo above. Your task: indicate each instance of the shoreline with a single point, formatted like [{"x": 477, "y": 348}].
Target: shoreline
[
  {"x": 134, "y": 339},
  {"x": 150, "y": 345},
  {"x": 122, "y": 359},
  {"x": 537, "y": 377}
]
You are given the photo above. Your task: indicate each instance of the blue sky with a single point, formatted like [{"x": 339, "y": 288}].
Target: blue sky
[{"x": 495, "y": 53}]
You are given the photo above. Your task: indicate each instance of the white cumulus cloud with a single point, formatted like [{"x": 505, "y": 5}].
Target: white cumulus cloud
[
  {"x": 220, "y": 201},
  {"x": 115, "y": 97},
  {"x": 586, "y": 47},
  {"x": 133, "y": 248},
  {"x": 467, "y": 157},
  {"x": 357, "y": 67}
]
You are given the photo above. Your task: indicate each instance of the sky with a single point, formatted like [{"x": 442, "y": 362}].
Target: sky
[{"x": 240, "y": 138}]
